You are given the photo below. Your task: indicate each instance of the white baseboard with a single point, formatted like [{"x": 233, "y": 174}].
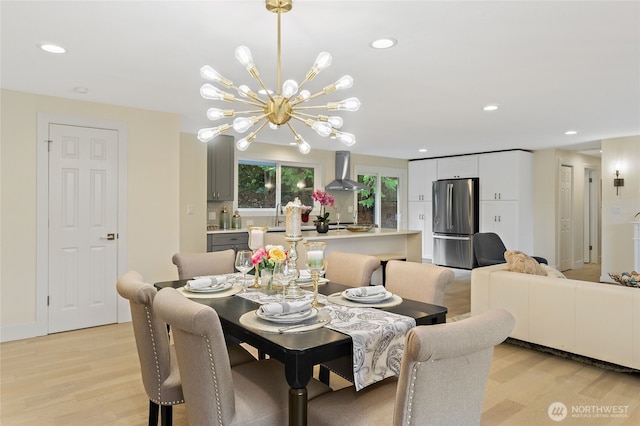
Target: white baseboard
[{"x": 21, "y": 331}]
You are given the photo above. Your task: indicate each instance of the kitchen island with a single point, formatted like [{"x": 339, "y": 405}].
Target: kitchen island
[{"x": 406, "y": 244}]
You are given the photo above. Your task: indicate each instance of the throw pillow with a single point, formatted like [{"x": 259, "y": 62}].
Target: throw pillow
[
  {"x": 552, "y": 272},
  {"x": 517, "y": 261}
]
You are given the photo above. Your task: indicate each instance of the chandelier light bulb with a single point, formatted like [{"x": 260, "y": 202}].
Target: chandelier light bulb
[
  {"x": 345, "y": 82},
  {"x": 351, "y": 104},
  {"x": 243, "y": 55},
  {"x": 244, "y": 91},
  {"x": 208, "y": 73},
  {"x": 242, "y": 124},
  {"x": 214, "y": 114},
  {"x": 273, "y": 126},
  {"x": 335, "y": 121},
  {"x": 346, "y": 138},
  {"x": 322, "y": 128},
  {"x": 209, "y": 91},
  {"x": 205, "y": 135},
  {"x": 303, "y": 96},
  {"x": 322, "y": 61},
  {"x": 304, "y": 147},
  {"x": 289, "y": 88},
  {"x": 243, "y": 144}
]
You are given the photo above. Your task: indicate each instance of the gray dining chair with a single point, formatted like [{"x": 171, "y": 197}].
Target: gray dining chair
[
  {"x": 255, "y": 393},
  {"x": 197, "y": 264},
  {"x": 158, "y": 366},
  {"x": 443, "y": 376},
  {"x": 423, "y": 282},
  {"x": 352, "y": 269}
]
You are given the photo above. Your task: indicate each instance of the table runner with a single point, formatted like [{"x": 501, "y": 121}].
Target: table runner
[{"x": 378, "y": 336}]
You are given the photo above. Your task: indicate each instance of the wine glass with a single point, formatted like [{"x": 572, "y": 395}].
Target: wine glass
[
  {"x": 244, "y": 265},
  {"x": 283, "y": 273}
]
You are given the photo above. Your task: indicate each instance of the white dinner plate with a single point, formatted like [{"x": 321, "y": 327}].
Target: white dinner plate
[
  {"x": 222, "y": 287},
  {"x": 288, "y": 318},
  {"x": 374, "y": 298}
]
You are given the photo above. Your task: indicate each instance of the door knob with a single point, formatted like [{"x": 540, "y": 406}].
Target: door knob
[{"x": 109, "y": 237}]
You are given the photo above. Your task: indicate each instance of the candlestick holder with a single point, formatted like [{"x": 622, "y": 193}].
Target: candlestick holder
[
  {"x": 256, "y": 241},
  {"x": 293, "y": 289},
  {"x": 315, "y": 264}
]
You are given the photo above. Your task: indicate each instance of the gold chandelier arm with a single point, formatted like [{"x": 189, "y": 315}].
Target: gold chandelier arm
[
  {"x": 299, "y": 108},
  {"x": 315, "y": 95},
  {"x": 254, "y": 133},
  {"x": 244, "y": 101},
  {"x": 251, "y": 111},
  {"x": 319, "y": 117},
  {"x": 250, "y": 94}
]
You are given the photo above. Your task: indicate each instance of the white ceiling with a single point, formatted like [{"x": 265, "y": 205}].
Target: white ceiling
[{"x": 551, "y": 66}]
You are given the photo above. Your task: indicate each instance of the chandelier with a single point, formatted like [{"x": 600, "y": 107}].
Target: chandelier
[{"x": 278, "y": 109}]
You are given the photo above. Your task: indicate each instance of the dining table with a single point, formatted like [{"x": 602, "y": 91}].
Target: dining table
[{"x": 299, "y": 352}]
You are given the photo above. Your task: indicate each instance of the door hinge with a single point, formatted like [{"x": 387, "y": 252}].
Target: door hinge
[
  {"x": 47, "y": 300},
  {"x": 590, "y": 247},
  {"x": 49, "y": 142}
]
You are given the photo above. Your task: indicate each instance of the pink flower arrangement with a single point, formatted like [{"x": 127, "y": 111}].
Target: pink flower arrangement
[
  {"x": 325, "y": 200},
  {"x": 267, "y": 257}
]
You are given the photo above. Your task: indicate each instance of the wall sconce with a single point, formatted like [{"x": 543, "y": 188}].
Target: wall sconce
[{"x": 618, "y": 182}]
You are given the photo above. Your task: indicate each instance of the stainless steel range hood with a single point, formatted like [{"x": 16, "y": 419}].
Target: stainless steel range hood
[{"x": 342, "y": 181}]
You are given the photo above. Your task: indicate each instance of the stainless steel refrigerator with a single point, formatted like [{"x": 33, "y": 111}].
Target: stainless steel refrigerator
[{"x": 455, "y": 220}]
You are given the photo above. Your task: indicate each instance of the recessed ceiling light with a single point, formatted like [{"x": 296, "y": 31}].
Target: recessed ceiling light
[
  {"x": 422, "y": 150},
  {"x": 52, "y": 48},
  {"x": 383, "y": 43},
  {"x": 81, "y": 90},
  {"x": 490, "y": 108},
  {"x": 571, "y": 132}
]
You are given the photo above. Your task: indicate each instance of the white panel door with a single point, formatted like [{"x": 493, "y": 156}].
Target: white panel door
[{"x": 83, "y": 166}]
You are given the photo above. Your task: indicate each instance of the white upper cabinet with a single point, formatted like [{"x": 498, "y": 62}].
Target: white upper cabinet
[
  {"x": 421, "y": 174},
  {"x": 464, "y": 166},
  {"x": 505, "y": 175}
]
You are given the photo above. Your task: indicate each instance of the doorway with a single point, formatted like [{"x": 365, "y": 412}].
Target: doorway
[
  {"x": 565, "y": 192},
  {"x": 380, "y": 204},
  {"x": 591, "y": 245},
  {"x": 81, "y": 222}
]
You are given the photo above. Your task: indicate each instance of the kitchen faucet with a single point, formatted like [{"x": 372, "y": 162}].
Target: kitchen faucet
[{"x": 277, "y": 221}]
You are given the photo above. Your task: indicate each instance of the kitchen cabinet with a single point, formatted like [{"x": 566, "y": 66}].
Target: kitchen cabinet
[
  {"x": 505, "y": 175},
  {"x": 228, "y": 240},
  {"x": 421, "y": 174},
  {"x": 420, "y": 218},
  {"x": 220, "y": 169},
  {"x": 503, "y": 218},
  {"x": 462, "y": 166}
]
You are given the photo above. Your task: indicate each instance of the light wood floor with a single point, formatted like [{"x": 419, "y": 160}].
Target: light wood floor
[{"x": 91, "y": 377}]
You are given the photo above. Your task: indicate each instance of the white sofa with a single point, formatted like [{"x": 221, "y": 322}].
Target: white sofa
[{"x": 600, "y": 321}]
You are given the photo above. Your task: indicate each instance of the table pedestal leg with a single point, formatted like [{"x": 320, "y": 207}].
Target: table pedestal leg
[{"x": 297, "y": 407}]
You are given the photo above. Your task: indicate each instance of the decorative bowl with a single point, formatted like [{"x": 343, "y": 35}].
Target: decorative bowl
[
  {"x": 360, "y": 227},
  {"x": 629, "y": 279}
]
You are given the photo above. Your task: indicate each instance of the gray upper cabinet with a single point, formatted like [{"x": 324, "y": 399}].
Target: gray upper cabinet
[{"x": 220, "y": 162}]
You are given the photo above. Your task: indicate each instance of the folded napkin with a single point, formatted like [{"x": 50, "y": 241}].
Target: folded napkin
[
  {"x": 208, "y": 281},
  {"x": 366, "y": 291},
  {"x": 305, "y": 274},
  {"x": 279, "y": 308}
]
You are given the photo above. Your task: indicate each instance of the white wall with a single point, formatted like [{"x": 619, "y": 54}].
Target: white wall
[
  {"x": 618, "y": 211},
  {"x": 153, "y": 193}
]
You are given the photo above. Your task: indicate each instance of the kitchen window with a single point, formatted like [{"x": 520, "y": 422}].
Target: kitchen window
[{"x": 265, "y": 184}]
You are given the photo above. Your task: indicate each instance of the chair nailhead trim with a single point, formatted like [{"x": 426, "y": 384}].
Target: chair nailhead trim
[
  {"x": 215, "y": 380},
  {"x": 412, "y": 388},
  {"x": 155, "y": 352}
]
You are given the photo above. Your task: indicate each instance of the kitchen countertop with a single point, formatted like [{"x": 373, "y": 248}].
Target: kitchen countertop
[{"x": 309, "y": 233}]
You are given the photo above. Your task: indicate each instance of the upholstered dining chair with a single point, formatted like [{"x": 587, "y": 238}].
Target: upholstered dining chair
[
  {"x": 352, "y": 269},
  {"x": 443, "y": 375},
  {"x": 423, "y": 282},
  {"x": 160, "y": 375},
  {"x": 255, "y": 393},
  {"x": 196, "y": 264}
]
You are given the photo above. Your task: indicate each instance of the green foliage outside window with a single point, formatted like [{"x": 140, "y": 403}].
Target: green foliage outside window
[{"x": 258, "y": 187}]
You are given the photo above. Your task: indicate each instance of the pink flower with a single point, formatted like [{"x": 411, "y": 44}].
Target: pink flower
[
  {"x": 259, "y": 256},
  {"x": 323, "y": 198}
]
